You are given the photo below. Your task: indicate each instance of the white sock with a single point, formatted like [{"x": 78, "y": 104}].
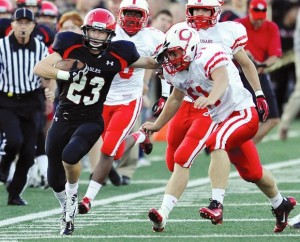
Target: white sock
[
  {"x": 60, "y": 197},
  {"x": 42, "y": 162},
  {"x": 141, "y": 137},
  {"x": 93, "y": 189},
  {"x": 276, "y": 201},
  {"x": 71, "y": 189},
  {"x": 169, "y": 202},
  {"x": 218, "y": 194}
]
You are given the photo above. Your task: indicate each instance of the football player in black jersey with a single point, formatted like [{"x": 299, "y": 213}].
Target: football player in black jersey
[{"x": 78, "y": 121}]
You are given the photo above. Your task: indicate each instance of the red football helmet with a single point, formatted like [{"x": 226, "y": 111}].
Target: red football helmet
[
  {"x": 100, "y": 19},
  {"x": 132, "y": 24},
  {"x": 6, "y": 6},
  {"x": 48, "y": 9},
  {"x": 29, "y": 3},
  {"x": 203, "y": 22}
]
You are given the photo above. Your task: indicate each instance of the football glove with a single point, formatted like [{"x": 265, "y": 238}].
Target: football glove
[
  {"x": 159, "y": 106},
  {"x": 159, "y": 56},
  {"x": 262, "y": 106},
  {"x": 76, "y": 74}
]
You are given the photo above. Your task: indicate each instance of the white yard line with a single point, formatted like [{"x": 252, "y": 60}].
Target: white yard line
[{"x": 131, "y": 196}]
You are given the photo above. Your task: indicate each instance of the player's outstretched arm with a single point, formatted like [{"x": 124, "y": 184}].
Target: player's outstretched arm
[
  {"x": 146, "y": 63},
  {"x": 45, "y": 68},
  {"x": 172, "y": 105}
]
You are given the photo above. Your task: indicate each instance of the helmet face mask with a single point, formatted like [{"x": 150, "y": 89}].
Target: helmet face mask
[
  {"x": 101, "y": 20},
  {"x": 133, "y": 15},
  {"x": 182, "y": 48},
  {"x": 203, "y": 22}
]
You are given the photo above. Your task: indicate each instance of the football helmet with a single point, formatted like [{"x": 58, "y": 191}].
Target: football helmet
[
  {"x": 48, "y": 9},
  {"x": 203, "y": 22},
  {"x": 27, "y": 3},
  {"x": 6, "y": 6},
  {"x": 100, "y": 19},
  {"x": 181, "y": 43},
  {"x": 132, "y": 24}
]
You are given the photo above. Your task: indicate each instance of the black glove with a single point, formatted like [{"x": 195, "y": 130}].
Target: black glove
[
  {"x": 76, "y": 74},
  {"x": 158, "y": 106},
  {"x": 159, "y": 56}
]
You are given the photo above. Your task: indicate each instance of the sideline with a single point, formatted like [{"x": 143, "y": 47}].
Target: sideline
[{"x": 130, "y": 196}]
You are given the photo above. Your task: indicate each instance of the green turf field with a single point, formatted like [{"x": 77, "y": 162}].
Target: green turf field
[{"x": 120, "y": 213}]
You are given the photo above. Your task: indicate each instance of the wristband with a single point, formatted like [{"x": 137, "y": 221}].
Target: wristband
[
  {"x": 259, "y": 93},
  {"x": 63, "y": 75}
]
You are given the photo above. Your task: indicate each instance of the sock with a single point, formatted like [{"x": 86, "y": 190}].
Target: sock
[
  {"x": 169, "y": 202},
  {"x": 60, "y": 197},
  {"x": 93, "y": 189},
  {"x": 71, "y": 189},
  {"x": 276, "y": 201},
  {"x": 139, "y": 137},
  {"x": 218, "y": 194},
  {"x": 42, "y": 162}
]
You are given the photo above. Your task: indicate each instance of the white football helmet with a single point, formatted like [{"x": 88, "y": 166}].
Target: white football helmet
[
  {"x": 181, "y": 48},
  {"x": 132, "y": 24},
  {"x": 202, "y": 22}
]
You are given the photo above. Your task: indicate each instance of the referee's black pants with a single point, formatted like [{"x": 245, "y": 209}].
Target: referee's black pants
[{"x": 19, "y": 128}]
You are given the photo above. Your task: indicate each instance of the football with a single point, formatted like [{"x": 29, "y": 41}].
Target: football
[{"x": 69, "y": 65}]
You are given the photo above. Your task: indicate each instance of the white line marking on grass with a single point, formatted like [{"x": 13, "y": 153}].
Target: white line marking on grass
[
  {"x": 158, "y": 235},
  {"x": 130, "y": 196}
]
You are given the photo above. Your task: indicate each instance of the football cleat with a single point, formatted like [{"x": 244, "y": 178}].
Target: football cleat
[
  {"x": 84, "y": 205},
  {"x": 158, "y": 218},
  {"x": 214, "y": 212},
  {"x": 146, "y": 146},
  {"x": 294, "y": 222},
  {"x": 70, "y": 211},
  {"x": 282, "y": 213}
]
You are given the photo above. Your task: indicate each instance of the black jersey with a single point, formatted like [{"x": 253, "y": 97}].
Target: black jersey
[{"x": 88, "y": 95}]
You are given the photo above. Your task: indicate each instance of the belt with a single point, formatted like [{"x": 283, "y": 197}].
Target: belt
[{"x": 17, "y": 95}]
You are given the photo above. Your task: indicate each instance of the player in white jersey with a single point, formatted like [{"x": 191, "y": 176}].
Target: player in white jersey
[
  {"x": 210, "y": 79},
  {"x": 124, "y": 100}
]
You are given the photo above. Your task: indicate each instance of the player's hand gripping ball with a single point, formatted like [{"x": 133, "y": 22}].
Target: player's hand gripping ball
[{"x": 71, "y": 69}]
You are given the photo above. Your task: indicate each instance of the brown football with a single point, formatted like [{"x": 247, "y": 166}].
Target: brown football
[{"x": 69, "y": 64}]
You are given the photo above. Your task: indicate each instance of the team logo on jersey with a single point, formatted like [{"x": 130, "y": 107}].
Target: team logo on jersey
[
  {"x": 93, "y": 69},
  {"x": 109, "y": 63}
]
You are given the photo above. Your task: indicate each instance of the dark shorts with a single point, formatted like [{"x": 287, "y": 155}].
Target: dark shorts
[{"x": 268, "y": 90}]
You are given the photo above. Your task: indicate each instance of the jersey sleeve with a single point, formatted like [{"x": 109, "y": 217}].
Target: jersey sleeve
[
  {"x": 212, "y": 57},
  {"x": 126, "y": 52},
  {"x": 63, "y": 41},
  {"x": 239, "y": 36}
]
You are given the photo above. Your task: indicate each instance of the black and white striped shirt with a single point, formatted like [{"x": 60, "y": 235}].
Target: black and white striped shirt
[{"x": 17, "y": 63}]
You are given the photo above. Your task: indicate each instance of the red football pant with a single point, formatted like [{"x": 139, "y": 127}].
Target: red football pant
[
  {"x": 234, "y": 135},
  {"x": 118, "y": 122},
  {"x": 186, "y": 135}
]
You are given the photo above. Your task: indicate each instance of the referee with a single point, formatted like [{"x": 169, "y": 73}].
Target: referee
[{"x": 21, "y": 101}]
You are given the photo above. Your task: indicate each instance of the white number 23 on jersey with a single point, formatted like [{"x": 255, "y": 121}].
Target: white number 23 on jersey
[{"x": 75, "y": 89}]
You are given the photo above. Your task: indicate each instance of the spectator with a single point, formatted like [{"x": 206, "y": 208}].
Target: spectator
[
  {"x": 283, "y": 76},
  {"x": 264, "y": 48},
  {"x": 70, "y": 21},
  {"x": 21, "y": 101},
  {"x": 162, "y": 20},
  {"x": 237, "y": 9},
  {"x": 292, "y": 107}
]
